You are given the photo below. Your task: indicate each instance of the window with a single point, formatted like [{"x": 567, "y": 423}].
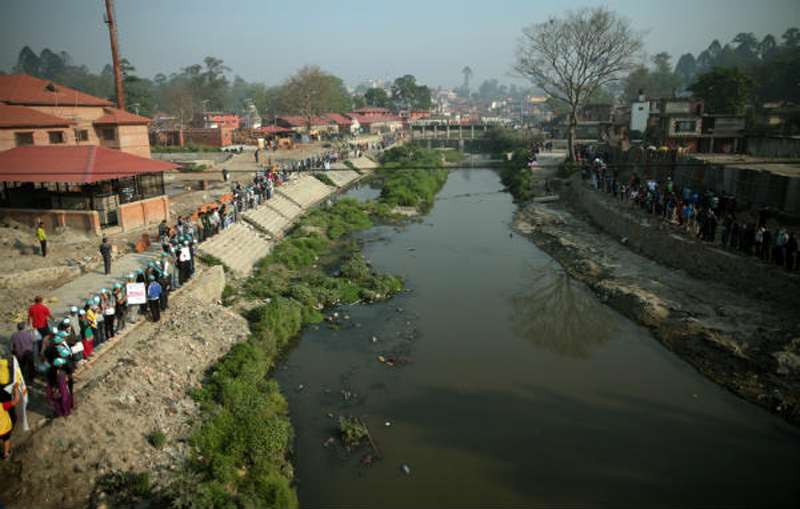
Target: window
[
  {"x": 108, "y": 134},
  {"x": 24, "y": 139},
  {"x": 56, "y": 137},
  {"x": 81, "y": 135},
  {"x": 685, "y": 126}
]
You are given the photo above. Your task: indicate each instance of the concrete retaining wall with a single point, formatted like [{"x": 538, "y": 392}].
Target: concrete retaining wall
[
  {"x": 206, "y": 286},
  {"x": 773, "y": 147},
  {"x": 81, "y": 220},
  {"x": 653, "y": 239},
  {"x": 38, "y": 276}
]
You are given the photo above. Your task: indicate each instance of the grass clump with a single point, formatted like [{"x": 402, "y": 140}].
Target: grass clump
[
  {"x": 157, "y": 438},
  {"x": 325, "y": 179},
  {"x": 567, "y": 168},
  {"x": 212, "y": 260},
  {"x": 352, "y": 431}
]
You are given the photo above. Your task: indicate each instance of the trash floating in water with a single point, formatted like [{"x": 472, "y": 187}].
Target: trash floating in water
[
  {"x": 367, "y": 460},
  {"x": 388, "y": 423},
  {"x": 328, "y": 442},
  {"x": 374, "y": 339},
  {"x": 399, "y": 310},
  {"x": 300, "y": 388},
  {"x": 392, "y": 360},
  {"x": 405, "y": 468}
]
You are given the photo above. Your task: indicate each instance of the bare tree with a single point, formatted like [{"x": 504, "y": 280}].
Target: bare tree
[
  {"x": 312, "y": 91},
  {"x": 570, "y": 58}
]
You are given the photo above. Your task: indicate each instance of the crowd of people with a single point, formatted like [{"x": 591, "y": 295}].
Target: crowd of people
[
  {"x": 704, "y": 214},
  {"x": 52, "y": 347}
]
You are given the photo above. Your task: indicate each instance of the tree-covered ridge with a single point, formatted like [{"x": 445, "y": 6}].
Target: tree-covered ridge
[{"x": 208, "y": 86}]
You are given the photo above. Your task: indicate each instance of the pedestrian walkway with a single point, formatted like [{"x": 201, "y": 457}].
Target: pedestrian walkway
[{"x": 77, "y": 291}]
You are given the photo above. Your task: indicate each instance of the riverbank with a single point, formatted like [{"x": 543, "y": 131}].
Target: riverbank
[{"x": 748, "y": 345}]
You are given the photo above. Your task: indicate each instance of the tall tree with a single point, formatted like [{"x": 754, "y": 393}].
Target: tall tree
[
  {"x": 724, "y": 89},
  {"x": 312, "y": 91},
  {"x": 407, "y": 95},
  {"x": 27, "y": 63},
  {"x": 570, "y": 58},
  {"x": 376, "y": 98},
  {"x": 791, "y": 38}
]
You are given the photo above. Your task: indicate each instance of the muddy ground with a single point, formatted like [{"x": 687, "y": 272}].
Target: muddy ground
[{"x": 750, "y": 346}]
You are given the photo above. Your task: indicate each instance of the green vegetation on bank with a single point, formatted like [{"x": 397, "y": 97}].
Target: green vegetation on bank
[
  {"x": 516, "y": 175},
  {"x": 453, "y": 156},
  {"x": 240, "y": 452},
  {"x": 415, "y": 186},
  {"x": 325, "y": 179}
]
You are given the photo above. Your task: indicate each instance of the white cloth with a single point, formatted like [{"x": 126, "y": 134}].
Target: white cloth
[{"x": 23, "y": 414}]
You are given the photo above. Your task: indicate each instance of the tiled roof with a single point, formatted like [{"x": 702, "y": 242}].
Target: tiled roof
[
  {"x": 372, "y": 109},
  {"x": 83, "y": 164},
  {"x": 338, "y": 118},
  {"x": 22, "y": 116},
  {"x": 114, "y": 116},
  {"x": 24, "y": 89},
  {"x": 369, "y": 119},
  {"x": 300, "y": 120}
]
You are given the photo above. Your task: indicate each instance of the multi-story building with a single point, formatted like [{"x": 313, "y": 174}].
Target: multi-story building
[{"x": 41, "y": 113}]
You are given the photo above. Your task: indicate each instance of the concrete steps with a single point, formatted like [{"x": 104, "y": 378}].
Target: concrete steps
[
  {"x": 342, "y": 177},
  {"x": 306, "y": 191},
  {"x": 283, "y": 206},
  {"x": 239, "y": 247},
  {"x": 268, "y": 221}
]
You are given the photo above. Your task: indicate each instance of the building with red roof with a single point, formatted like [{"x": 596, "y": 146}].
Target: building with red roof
[
  {"x": 84, "y": 187},
  {"x": 299, "y": 124},
  {"x": 30, "y": 106},
  {"x": 377, "y": 123},
  {"x": 347, "y": 126}
]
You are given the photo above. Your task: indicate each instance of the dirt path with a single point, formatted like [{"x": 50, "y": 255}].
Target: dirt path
[{"x": 749, "y": 346}]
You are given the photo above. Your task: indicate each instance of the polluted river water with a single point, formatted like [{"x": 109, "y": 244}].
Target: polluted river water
[{"x": 511, "y": 385}]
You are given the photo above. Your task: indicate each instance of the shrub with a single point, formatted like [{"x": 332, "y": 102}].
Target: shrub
[
  {"x": 355, "y": 267},
  {"x": 157, "y": 438}
]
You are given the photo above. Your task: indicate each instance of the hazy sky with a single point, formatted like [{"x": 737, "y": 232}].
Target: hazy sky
[{"x": 264, "y": 40}]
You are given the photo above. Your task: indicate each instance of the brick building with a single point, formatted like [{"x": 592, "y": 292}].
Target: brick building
[{"x": 41, "y": 113}]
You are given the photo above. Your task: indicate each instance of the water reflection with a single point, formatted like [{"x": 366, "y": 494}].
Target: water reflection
[{"x": 553, "y": 311}]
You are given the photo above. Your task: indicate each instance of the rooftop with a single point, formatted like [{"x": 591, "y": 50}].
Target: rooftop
[
  {"x": 24, "y": 89},
  {"x": 114, "y": 116},
  {"x": 22, "y": 116},
  {"x": 83, "y": 164}
]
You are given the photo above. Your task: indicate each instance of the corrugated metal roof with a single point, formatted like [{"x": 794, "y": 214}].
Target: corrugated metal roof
[{"x": 84, "y": 164}]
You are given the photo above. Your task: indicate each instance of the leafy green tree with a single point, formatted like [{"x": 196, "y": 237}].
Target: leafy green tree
[
  {"x": 407, "y": 95},
  {"x": 724, "y": 89},
  {"x": 376, "y": 98},
  {"x": 791, "y": 38},
  {"x": 656, "y": 83},
  {"x": 359, "y": 101},
  {"x": 27, "y": 62}
]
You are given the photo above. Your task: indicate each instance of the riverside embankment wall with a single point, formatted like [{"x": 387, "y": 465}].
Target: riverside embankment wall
[{"x": 654, "y": 239}]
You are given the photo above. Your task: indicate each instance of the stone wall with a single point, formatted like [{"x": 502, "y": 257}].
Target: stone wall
[{"x": 651, "y": 237}]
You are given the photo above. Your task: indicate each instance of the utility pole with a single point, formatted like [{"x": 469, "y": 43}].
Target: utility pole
[{"x": 114, "y": 55}]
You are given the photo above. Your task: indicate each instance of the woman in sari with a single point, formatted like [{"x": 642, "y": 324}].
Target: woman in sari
[{"x": 57, "y": 391}]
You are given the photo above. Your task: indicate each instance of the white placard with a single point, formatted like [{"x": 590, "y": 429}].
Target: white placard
[
  {"x": 136, "y": 293},
  {"x": 185, "y": 255}
]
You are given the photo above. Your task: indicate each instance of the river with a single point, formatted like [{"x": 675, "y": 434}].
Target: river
[{"x": 515, "y": 386}]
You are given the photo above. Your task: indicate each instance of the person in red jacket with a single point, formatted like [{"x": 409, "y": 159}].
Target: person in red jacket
[{"x": 37, "y": 316}]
